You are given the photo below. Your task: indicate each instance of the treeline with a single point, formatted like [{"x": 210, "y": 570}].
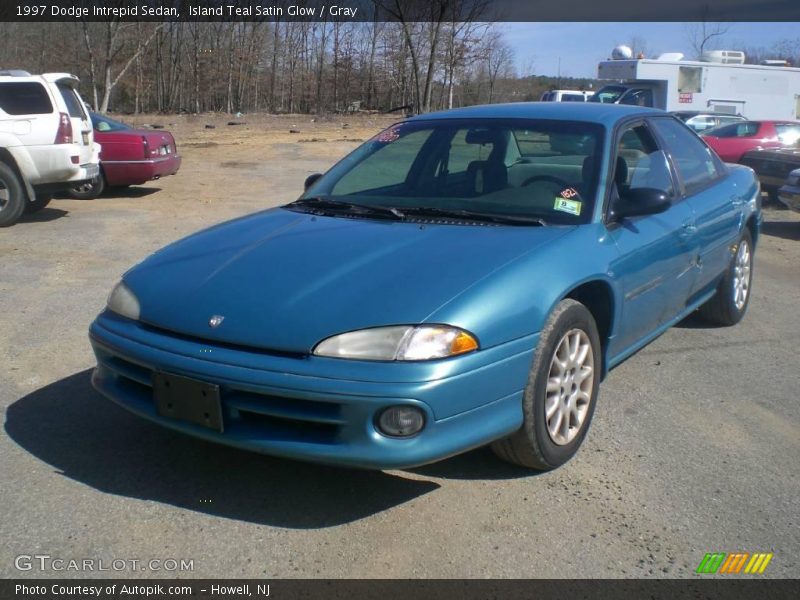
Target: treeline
[{"x": 281, "y": 67}]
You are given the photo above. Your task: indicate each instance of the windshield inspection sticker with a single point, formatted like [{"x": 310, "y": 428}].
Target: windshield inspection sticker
[{"x": 566, "y": 205}]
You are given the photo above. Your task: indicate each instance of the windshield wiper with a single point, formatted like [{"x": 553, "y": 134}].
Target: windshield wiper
[
  {"x": 434, "y": 211},
  {"x": 320, "y": 203}
]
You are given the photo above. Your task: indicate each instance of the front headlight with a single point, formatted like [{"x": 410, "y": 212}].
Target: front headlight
[
  {"x": 122, "y": 301},
  {"x": 404, "y": 342}
]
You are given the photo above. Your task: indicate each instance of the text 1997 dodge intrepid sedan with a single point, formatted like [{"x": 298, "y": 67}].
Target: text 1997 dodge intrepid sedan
[{"x": 463, "y": 278}]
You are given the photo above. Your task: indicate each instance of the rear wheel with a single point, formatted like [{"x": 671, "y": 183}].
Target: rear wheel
[
  {"x": 728, "y": 305},
  {"x": 89, "y": 190},
  {"x": 560, "y": 395},
  {"x": 12, "y": 196},
  {"x": 41, "y": 201}
]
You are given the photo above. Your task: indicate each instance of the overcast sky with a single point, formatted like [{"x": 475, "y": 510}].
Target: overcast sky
[{"x": 581, "y": 46}]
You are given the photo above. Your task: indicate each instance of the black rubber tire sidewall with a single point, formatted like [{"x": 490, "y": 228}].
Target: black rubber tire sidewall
[
  {"x": 531, "y": 445},
  {"x": 15, "y": 206},
  {"x": 721, "y": 308},
  {"x": 38, "y": 204},
  {"x": 576, "y": 316}
]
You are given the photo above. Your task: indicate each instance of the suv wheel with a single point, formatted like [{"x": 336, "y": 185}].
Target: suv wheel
[
  {"x": 41, "y": 201},
  {"x": 12, "y": 196}
]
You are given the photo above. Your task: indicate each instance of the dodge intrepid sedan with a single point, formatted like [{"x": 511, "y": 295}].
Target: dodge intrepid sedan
[{"x": 463, "y": 278}]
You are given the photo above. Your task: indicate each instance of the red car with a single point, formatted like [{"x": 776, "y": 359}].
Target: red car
[
  {"x": 128, "y": 156},
  {"x": 732, "y": 141}
]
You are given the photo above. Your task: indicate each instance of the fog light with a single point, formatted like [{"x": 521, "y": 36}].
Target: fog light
[{"x": 401, "y": 421}]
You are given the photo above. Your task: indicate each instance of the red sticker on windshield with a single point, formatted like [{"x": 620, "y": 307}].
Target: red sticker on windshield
[
  {"x": 568, "y": 193},
  {"x": 388, "y": 136}
]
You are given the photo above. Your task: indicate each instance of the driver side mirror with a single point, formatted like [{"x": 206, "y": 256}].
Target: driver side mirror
[
  {"x": 641, "y": 201},
  {"x": 311, "y": 180}
]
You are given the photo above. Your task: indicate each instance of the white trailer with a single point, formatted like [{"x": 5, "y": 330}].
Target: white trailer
[{"x": 712, "y": 85}]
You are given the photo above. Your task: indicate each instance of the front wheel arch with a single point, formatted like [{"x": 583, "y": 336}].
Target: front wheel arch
[{"x": 598, "y": 297}]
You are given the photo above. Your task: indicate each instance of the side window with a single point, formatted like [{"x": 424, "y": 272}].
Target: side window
[
  {"x": 701, "y": 123},
  {"x": 71, "y": 100},
  {"x": 739, "y": 129},
  {"x": 25, "y": 98},
  {"x": 693, "y": 160},
  {"x": 640, "y": 164},
  {"x": 638, "y": 97}
]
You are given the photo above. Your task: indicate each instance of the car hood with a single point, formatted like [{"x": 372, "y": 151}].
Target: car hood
[{"x": 284, "y": 280}]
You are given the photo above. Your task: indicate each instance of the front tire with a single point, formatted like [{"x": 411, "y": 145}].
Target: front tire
[
  {"x": 38, "y": 204},
  {"x": 91, "y": 190},
  {"x": 561, "y": 393},
  {"x": 728, "y": 305},
  {"x": 12, "y": 196}
]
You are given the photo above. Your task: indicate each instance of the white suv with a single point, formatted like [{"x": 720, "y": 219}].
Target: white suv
[{"x": 46, "y": 141}]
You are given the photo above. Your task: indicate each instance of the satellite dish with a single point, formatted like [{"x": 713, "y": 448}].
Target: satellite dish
[{"x": 622, "y": 53}]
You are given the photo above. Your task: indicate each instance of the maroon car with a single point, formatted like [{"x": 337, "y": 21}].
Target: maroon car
[
  {"x": 128, "y": 156},
  {"x": 732, "y": 141}
]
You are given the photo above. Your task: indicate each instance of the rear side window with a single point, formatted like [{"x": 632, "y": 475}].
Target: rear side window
[
  {"x": 693, "y": 160},
  {"x": 742, "y": 129},
  {"x": 788, "y": 133},
  {"x": 25, "y": 98},
  {"x": 72, "y": 101}
]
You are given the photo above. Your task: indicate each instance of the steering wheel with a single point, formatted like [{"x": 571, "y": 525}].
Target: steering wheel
[{"x": 563, "y": 183}]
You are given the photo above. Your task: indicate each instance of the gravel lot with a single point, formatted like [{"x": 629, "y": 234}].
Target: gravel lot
[{"x": 695, "y": 445}]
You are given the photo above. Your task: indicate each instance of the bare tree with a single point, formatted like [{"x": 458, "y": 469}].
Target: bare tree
[
  {"x": 704, "y": 34},
  {"x": 498, "y": 56},
  {"x": 114, "y": 38}
]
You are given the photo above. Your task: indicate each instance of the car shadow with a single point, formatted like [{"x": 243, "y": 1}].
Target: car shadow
[
  {"x": 695, "y": 321},
  {"x": 45, "y": 215},
  {"x": 85, "y": 437},
  {"x": 129, "y": 192},
  {"x": 788, "y": 230},
  {"x": 475, "y": 465},
  {"x": 112, "y": 193}
]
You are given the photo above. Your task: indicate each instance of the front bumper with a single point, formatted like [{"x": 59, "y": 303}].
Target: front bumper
[
  {"x": 140, "y": 171},
  {"x": 320, "y": 409}
]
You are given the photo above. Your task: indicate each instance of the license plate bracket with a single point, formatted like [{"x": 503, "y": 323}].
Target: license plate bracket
[{"x": 187, "y": 399}]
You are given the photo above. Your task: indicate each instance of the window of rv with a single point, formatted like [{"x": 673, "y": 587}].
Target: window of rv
[{"x": 690, "y": 80}]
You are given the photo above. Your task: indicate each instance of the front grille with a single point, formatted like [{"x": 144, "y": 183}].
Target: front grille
[{"x": 256, "y": 415}]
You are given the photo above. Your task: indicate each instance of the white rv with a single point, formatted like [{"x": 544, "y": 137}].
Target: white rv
[{"x": 720, "y": 82}]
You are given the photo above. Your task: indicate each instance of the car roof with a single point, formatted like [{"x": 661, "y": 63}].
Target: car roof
[
  {"x": 8, "y": 75},
  {"x": 607, "y": 114}
]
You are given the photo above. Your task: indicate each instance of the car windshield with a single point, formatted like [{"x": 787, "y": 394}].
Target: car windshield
[
  {"x": 525, "y": 170},
  {"x": 103, "y": 123}
]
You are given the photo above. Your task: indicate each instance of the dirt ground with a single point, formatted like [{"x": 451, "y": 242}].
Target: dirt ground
[{"x": 694, "y": 448}]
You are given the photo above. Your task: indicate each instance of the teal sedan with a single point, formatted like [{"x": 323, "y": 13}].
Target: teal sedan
[{"x": 463, "y": 278}]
